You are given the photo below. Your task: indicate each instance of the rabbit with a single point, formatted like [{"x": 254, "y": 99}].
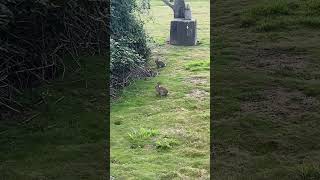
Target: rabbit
[
  {"x": 159, "y": 63},
  {"x": 162, "y": 91}
]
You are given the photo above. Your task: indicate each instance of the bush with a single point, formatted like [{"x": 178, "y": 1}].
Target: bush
[{"x": 129, "y": 49}]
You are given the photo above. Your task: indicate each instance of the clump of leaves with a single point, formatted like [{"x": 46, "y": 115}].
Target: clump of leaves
[
  {"x": 141, "y": 137},
  {"x": 166, "y": 143},
  {"x": 123, "y": 58}
]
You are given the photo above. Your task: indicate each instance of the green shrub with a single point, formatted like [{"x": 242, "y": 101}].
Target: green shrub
[
  {"x": 123, "y": 58},
  {"x": 127, "y": 27},
  {"x": 129, "y": 47}
]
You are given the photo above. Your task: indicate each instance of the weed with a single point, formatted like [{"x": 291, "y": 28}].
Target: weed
[
  {"x": 166, "y": 143},
  {"x": 139, "y": 138}
]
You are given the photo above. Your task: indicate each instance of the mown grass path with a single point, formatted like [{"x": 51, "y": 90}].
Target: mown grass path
[{"x": 170, "y": 136}]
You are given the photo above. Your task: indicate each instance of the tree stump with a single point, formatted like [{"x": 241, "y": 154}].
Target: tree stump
[{"x": 183, "y": 32}]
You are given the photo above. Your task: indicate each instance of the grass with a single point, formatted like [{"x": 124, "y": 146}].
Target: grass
[
  {"x": 266, "y": 89},
  {"x": 180, "y": 148},
  {"x": 282, "y": 14},
  {"x": 166, "y": 143},
  {"x": 66, "y": 137},
  {"x": 198, "y": 65},
  {"x": 139, "y": 138},
  {"x": 306, "y": 172}
]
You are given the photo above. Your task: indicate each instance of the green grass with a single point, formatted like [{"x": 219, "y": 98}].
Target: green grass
[
  {"x": 307, "y": 172},
  {"x": 266, "y": 90},
  {"x": 198, "y": 65},
  {"x": 282, "y": 15},
  {"x": 66, "y": 139},
  {"x": 180, "y": 147}
]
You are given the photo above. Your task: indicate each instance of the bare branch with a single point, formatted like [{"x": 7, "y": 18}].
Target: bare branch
[{"x": 168, "y": 3}]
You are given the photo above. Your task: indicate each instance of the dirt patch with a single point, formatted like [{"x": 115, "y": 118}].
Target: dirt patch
[
  {"x": 281, "y": 103},
  {"x": 198, "y": 94},
  {"x": 197, "y": 80}
]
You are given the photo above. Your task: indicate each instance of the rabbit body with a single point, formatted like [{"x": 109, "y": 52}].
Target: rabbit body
[
  {"x": 159, "y": 63},
  {"x": 162, "y": 91}
]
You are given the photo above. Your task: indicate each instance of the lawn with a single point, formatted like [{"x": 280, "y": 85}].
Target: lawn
[
  {"x": 169, "y": 137},
  {"x": 266, "y": 89},
  {"x": 64, "y": 136}
]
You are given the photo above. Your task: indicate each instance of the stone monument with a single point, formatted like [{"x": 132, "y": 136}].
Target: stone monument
[{"x": 183, "y": 30}]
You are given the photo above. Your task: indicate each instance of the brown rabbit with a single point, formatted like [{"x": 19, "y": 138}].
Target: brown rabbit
[
  {"x": 162, "y": 91},
  {"x": 159, "y": 63}
]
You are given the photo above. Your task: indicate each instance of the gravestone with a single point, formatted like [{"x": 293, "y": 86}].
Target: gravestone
[{"x": 183, "y": 29}]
